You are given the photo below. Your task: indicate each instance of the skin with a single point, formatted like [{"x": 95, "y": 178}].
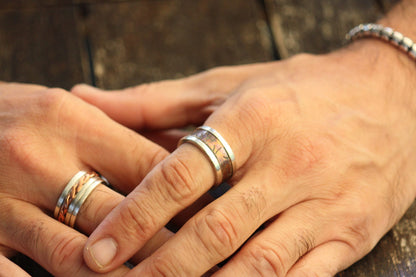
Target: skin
[
  {"x": 46, "y": 136},
  {"x": 325, "y": 149}
]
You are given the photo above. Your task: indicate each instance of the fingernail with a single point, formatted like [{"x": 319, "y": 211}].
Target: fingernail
[{"x": 103, "y": 251}]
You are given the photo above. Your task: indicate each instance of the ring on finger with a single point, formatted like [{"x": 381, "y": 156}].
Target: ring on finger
[
  {"x": 74, "y": 195},
  {"x": 216, "y": 148}
]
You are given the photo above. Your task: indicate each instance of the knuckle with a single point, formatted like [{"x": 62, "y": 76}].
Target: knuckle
[
  {"x": 356, "y": 225},
  {"x": 66, "y": 255},
  {"x": 19, "y": 148},
  {"x": 255, "y": 109},
  {"x": 51, "y": 99},
  {"x": 274, "y": 258},
  {"x": 136, "y": 223},
  {"x": 10, "y": 142},
  {"x": 20, "y": 141},
  {"x": 358, "y": 237},
  {"x": 251, "y": 107},
  {"x": 164, "y": 266},
  {"x": 177, "y": 181},
  {"x": 55, "y": 105},
  {"x": 266, "y": 260},
  {"x": 217, "y": 233}
]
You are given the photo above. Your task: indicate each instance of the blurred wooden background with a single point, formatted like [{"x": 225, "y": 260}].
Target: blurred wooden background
[{"x": 119, "y": 43}]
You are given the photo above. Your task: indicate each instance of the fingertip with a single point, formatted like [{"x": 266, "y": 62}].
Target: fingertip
[
  {"x": 83, "y": 89},
  {"x": 100, "y": 254},
  {"x": 110, "y": 103}
]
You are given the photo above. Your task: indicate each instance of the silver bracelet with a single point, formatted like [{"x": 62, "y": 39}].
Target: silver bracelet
[{"x": 385, "y": 33}]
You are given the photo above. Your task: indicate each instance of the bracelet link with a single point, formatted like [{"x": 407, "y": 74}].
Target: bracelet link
[{"x": 385, "y": 33}]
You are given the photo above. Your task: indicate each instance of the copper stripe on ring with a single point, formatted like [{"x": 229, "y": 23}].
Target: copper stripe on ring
[{"x": 71, "y": 195}]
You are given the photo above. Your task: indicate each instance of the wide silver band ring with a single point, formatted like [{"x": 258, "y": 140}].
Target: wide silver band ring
[{"x": 216, "y": 148}]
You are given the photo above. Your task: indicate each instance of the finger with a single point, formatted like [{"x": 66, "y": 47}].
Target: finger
[
  {"x": 274, "y": 250},
  {"x": 54, "y": 246},
  {"x": 212, "y": 235},
  {"x": 8, "y": 268},
  {"x": 220, "y": 229},
  {"x": 181, "y": 218},
  {"x": 137, "y": 222},
  {"x": 135, "y": 156},
  {"x": 325, "y": 260},
  {"x": 168, "y": 104},
  {"x": 120, "y": 154},
  {"x": 155, "y": 106},
  {"x": 99, "y": 204},
  {"x": 171, "y": 186}
]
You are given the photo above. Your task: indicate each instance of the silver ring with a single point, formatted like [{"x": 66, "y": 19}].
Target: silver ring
[
  {"x": 66, "y": 190},
  {"x": 82, "y": 195},
  {"x": 74, "y": 195},
  {"x": 216, "y": 148},
  {"x": 224, "y": 143}
]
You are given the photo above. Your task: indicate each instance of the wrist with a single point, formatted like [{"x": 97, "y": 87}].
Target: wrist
[
  {"x": 388, "y": 76},
  {"x": 389, "y": 72},
  {"x": 385, "y": 63}
]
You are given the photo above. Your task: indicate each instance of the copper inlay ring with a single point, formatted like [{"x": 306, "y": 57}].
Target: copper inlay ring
[
  {"x": 80, "y": 198},
  {"x": 70, "y": 192}
]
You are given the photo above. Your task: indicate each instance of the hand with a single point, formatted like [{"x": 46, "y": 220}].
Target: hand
[
  {"x": 325, "y": 152},
  {"x": 46, "y": 136}
]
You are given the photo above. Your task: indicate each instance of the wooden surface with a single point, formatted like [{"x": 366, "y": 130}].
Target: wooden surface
[
  {"x": 40, "y": 46},
  {"x": 118, "y": 43},
  {"x": 316, "y": 26},
  {"x": 152, "y": 40}
]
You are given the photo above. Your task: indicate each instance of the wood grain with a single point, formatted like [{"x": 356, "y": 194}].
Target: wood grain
[
  {"x": 317, "y": 26},
  {"x": 40, "y": 46},
  {"x": 142, "y": 41}
]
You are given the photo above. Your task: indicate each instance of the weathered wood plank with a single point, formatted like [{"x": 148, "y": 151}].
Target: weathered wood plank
[
  {"x": 40, "y": 46},
  {"x": 25, "y": 4},
  {"x": 30, "y": 4},
  {"x": 316, "y": 26},
  {"x": 142, "y": 41}
]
